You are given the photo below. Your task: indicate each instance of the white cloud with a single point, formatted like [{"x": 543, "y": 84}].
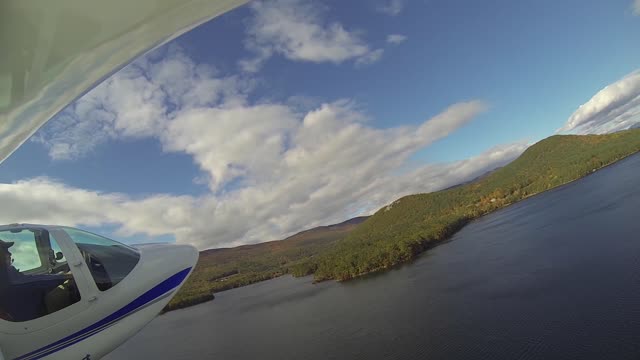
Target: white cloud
[
  {"x": 43, "y": 200},
  {"x": 636, "y": 7},
  {"x": 433, "y": 177},
  {"x": 370, "y": 58},
  {"x": 298, "y": 30},
  {"x": 614, "y": 108},
  {"x": 138, "y": 102},
  {"x": 396, "y": 39},
  {"x": 240, "y": 142},
  {"x": 272, "y": 168},
  {"x": 391, "y": 7}
]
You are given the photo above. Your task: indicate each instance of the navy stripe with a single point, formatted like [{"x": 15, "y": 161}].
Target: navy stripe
[
  {"x": 91, "y": 333},
  {"x": 144, "y": 299}
]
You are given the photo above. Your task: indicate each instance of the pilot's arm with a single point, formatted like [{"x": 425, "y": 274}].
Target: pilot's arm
[
  {"x": 28, "y": 293},
  {"x": 45, "y": 282}
]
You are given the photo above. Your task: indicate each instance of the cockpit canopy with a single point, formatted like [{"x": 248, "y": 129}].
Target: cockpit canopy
[
  {"x": 109, "y": 261},
  {"x": 39, "y": 266}
]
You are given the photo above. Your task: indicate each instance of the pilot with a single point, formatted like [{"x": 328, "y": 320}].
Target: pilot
[
  {"x": 12, "y": 273},
  {"x": 5, "y": 258},
  {"x": 21, "y": 295}
]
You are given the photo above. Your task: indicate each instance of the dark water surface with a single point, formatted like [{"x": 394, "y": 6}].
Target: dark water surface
[{"x": 554, "y": 277}]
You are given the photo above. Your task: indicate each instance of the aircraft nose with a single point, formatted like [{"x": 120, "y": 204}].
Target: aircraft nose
[
  {"x": 186, "y": 256},
  {"x": 180, "y": 257},
  {"x": 165, "y": 260}
]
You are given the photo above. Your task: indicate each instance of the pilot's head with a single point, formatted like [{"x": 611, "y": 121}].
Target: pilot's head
[{"x": 4, "y": 251}]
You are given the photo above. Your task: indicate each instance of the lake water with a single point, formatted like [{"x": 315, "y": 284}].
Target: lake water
[{"x": 554, "y": 277}]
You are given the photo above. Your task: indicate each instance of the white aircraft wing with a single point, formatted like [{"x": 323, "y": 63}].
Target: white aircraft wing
[{"x": 55, "y": 51}]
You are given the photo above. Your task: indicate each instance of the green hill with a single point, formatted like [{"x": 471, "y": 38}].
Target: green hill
[
  {"x": 400, "y": 231},
  {"x": 222, "y": 269}
]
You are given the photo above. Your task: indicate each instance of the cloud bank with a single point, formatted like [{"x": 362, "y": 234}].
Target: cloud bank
[{"x": 614, "y": 108}]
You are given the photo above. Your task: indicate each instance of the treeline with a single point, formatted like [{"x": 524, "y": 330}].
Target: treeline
[
  {"x": 224, "y": 275},
  {"x": 223, "y": 269},
  {"x": 399, "y": 232},
  {"x": 186, "y": 301}
]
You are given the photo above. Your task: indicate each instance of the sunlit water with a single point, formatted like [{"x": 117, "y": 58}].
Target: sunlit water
[{"x": 554, "y": 277}]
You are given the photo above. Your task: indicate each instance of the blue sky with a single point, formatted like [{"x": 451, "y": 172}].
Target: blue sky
[{"x": 165, "y": 163}]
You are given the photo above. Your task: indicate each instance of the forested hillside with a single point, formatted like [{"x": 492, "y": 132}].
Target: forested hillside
[
  {"x": 223, "y": 269},
  {"x": 408, "y": 226}
]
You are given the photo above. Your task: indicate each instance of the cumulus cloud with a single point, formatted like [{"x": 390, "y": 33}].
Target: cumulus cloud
[
  {"x": 391, "y": 7},
  {"x": 44, "y": 200},
  {"x": 138, "y": 102},
  {"x": 370, "y": 58},
  {"x": 434, "y": 177},
  {"x": 298, "y": 30},
  {"x": 272, "y": 168},
  {"x": 396, "y": 39},
  {"x": 614, "y": 108},
  {"x": 636, "y": 7}
]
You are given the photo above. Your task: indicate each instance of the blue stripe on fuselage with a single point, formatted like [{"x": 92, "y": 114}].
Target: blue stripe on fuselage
[{"x": 144, "y": 299}]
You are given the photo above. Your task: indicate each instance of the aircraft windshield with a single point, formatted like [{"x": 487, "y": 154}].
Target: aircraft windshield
[{"x": 109, "y": 261}]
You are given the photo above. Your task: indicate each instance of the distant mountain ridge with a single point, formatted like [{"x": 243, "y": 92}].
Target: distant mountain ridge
[
  {"x": 475, "y": 179},
  {"x": 347, "y": 223},
  {"x": 297, "y": 236},
  {"x": 226, "y": 268}
]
